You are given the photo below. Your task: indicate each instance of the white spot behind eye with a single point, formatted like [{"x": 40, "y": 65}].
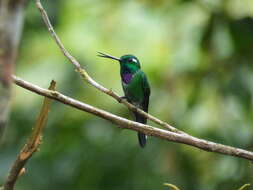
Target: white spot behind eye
[{"x": 133, "y": 60}]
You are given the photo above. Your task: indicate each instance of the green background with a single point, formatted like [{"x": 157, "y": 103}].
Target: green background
[{"x": 198, "y": 58}]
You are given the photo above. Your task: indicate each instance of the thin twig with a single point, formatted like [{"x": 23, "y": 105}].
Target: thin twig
[
  {"x": 31, "y": 146},
  {"x": 128, "y": 124},
  {"x": 244, "y": 186},
  {"x": 174, "y": 187},
  {"x": 85, "y": 76}
]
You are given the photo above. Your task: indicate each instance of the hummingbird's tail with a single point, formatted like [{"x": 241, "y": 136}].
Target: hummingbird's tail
[
  {"x": 141, "y": 136},
  {"x": 142, "y": 139}
]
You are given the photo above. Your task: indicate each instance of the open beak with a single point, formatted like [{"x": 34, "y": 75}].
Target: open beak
[{"x": 100, "y": 54}]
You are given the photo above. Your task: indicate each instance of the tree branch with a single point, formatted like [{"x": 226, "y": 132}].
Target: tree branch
[
  {"x": 175, "y": 134},
  {"x": 86, "y": 77},
  {"x": 11, "y": 24},
  {"x": 31, "y": 146},
  {"x": 127, "y": 124}
]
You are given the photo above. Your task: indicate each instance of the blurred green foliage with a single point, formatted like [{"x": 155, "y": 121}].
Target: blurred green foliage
[{"x": 198, "y": 57}]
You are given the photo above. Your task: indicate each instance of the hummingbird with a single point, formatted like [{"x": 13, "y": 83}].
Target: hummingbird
[{"x": 135, "y": 86}]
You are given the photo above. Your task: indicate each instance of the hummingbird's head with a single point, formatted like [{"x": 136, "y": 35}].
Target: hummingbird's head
[{"x": 129, "y": 62}]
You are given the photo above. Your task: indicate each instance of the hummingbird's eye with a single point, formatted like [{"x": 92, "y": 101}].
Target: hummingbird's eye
[{"x": 133, "y": 60}]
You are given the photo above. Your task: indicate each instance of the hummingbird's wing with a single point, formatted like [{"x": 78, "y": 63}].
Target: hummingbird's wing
[
  {"x": 146, "y": 90},
  {"x": 143, "y": 101}
]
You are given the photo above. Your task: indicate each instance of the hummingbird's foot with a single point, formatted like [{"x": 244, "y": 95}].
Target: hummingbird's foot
[{"x": 122, "y": 98}]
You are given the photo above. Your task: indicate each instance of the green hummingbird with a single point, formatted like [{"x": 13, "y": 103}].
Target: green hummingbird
[{"x": 135, "y": 86}]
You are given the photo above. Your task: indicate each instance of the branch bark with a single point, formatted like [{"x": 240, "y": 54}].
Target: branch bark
[
  {"x": 86, "y": 77},
  {"x": 127, "y": 124},
  {"x": 11, "y": 24},
  {"x": 31, "y": 146}
]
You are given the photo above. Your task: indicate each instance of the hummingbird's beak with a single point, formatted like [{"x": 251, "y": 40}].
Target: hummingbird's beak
[{"x": 100, "y": 54}]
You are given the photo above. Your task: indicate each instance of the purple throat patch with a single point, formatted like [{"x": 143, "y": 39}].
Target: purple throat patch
[{"x": 127, "y": 77}]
